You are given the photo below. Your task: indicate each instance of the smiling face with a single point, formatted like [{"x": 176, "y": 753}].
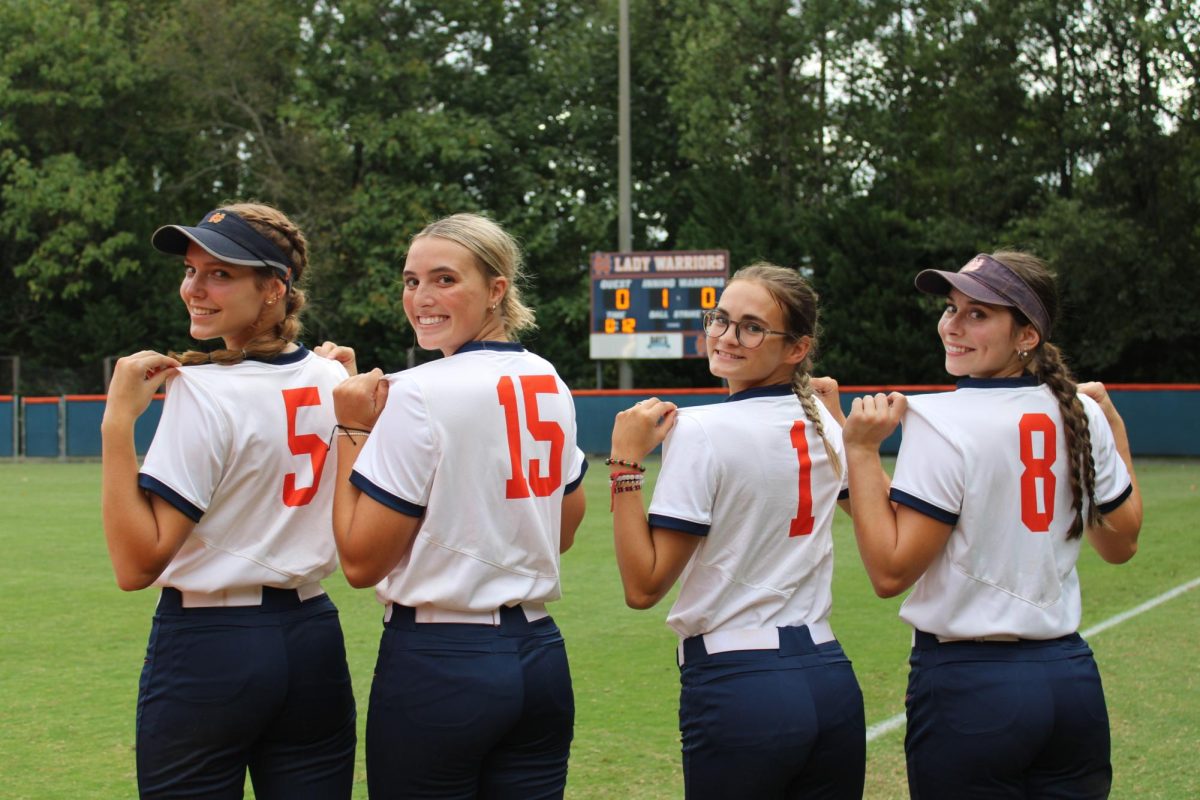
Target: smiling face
[
  {"x": 447, "y": 298},
  {"x": 982, "y": 340},
  {"x": 224, "y": 300},
  {"x": 770, "y": 363}
]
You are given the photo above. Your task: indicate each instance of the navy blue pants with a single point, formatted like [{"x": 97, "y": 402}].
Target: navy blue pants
[
  {"x": 466, "y": 711},
  {"x": 264, "y": 688},
  {"x": 766, "y": 724},
  {"x": 1006, "y": 720}
]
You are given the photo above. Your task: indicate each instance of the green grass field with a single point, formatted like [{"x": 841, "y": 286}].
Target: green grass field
[{"x": 71, "y": 647}]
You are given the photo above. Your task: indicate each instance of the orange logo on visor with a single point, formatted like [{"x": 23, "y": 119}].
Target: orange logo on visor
[{"x": 217, "y": 217}]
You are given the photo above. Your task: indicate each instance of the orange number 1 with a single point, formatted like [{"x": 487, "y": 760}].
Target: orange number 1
[{"x": 802, "y": 523}]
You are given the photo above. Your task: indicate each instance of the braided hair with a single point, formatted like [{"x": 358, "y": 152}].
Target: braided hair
[
  {"x": 1047, "y": 363},
  {"x": 799, "y": 303},
  {"x": 276, "y": 327}
]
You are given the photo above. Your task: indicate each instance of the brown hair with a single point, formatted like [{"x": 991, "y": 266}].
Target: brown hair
[
  {"x": 798, "y": 301},
  {"x": 498, "y": 254},
  {"x": 1047, "y": 363},
  {"x": 276, "y": 327}
]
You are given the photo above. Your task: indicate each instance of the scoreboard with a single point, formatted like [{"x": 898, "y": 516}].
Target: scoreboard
[{"x": 651, "y": 304}]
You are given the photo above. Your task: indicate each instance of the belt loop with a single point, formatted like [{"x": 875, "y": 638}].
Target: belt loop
[
  {"x": 400, "y": 617},
  {"x": 796, "y": 640},
  {"x": 923, "y": 640},
  {"x": 512, "y": 620}
]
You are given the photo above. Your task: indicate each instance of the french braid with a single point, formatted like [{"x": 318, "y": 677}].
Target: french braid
[
  {"x": 274, "y": 330},
  {"x": 799, "y": 303},
  {"x": 1048, "y": 364}
]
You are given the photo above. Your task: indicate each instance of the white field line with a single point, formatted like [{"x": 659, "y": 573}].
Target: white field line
[{"x": 892, "y": 723}]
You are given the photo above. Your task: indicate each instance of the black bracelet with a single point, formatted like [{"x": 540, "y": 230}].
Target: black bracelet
[{"x": 347, "y": 432}]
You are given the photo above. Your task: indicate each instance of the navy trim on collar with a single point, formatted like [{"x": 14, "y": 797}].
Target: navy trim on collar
[
  {"x": 998, "y": 383},
  {"x": 507, "y": 347},
  {"x": 293, "y": 357},
  {"x": 775, "y": 390}
]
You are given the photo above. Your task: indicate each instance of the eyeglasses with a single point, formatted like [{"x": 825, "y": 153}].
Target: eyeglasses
[{"x": 749, "y": 334}]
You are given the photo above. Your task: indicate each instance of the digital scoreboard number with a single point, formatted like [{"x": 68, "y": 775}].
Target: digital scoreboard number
[{"x": 651, "y": 304}]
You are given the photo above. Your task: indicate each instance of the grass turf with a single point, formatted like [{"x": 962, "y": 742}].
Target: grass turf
[{"x": 71, "y": 647}]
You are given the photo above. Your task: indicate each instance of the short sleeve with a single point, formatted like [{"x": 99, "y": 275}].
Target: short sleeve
[
  {"x": 577, "y": 469},
  {"x": 930, "y": 473},
  {"x": 398, "y": 461},
  {"x": 687, "y": 483},
  {"x": 187, "y": 457},
  {"x": 1113, "y": 484}
]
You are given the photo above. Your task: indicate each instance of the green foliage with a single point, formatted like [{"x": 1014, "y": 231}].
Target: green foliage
[{"x": 860, "y": 140}]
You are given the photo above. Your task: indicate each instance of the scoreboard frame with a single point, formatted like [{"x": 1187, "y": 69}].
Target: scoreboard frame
[{"x": 650, "y": 304}]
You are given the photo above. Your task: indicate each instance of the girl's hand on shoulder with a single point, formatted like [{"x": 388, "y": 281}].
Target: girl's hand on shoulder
[
  {"x": 826, "y": 390},
  {"x": 873, "y": 418},
  {"x": 358, "y": 401},
  {"x": 135, "y": 381},
  {"x": 642, "y": 427},
  {"x": 1098, "y": 392},
  {"x": 339, "y": 353}
]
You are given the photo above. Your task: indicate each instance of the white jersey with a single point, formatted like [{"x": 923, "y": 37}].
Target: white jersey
[
  {"x": 481, "y": 446},
  {"x": 991, "y": 459},
  {"x": 752, "y": 477},
  {"x": 242, "y": 450}
]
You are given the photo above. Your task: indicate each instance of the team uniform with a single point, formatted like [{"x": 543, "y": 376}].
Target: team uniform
[
  {"x": 472, "y": 694},
  {"x": 246, "y": 664},
  {"x": 769, "y": 705},
  {"x": 1004, "y": 697}
]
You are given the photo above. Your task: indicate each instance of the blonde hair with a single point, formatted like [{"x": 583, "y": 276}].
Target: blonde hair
[
  {"x": 1048, "y": 364},
  {"x": 276, "y": 326},
  {"x": 498, "y": 255},
  {"x": 798, "y": 301}
]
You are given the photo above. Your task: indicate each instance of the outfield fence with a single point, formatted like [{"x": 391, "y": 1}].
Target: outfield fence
[{"x": 1161, "y": 418}]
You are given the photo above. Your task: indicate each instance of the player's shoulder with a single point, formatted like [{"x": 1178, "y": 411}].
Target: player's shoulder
[
  {"x": 704, "y": 413},
  {"x": 931, "y": 401}
]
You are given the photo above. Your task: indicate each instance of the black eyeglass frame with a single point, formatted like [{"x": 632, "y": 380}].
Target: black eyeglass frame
[{"x": 711, "y": 317}]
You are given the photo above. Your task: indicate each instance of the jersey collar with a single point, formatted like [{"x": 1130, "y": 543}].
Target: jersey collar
[
  {"x": 998, "y": 383},
  {"x": 294, "y": 357},
  {"x": 505, "y": 347},
  {"x": 775, "y": 390}
]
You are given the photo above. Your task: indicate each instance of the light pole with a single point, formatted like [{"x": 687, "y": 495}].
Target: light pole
[{"x": 624, "y": 209}]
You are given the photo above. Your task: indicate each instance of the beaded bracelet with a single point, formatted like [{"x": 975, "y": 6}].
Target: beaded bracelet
[
  {"x": 610, "y": 461},
  {"x": 616, "y": 476}
]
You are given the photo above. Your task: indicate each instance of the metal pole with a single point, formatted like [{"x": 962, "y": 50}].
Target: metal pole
[
  {"x": 624, "y": 206},
  {"x": 62, "y": 428},
  {"x": 16, "y": 392}
]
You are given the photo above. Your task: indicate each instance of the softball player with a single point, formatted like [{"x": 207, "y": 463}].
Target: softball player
[
  {"x": 230, "y": 516},
  {"x": 742, "y": 515},
  {"x": 994, "y": 485},
  {"x": 458, "y": 489}
]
